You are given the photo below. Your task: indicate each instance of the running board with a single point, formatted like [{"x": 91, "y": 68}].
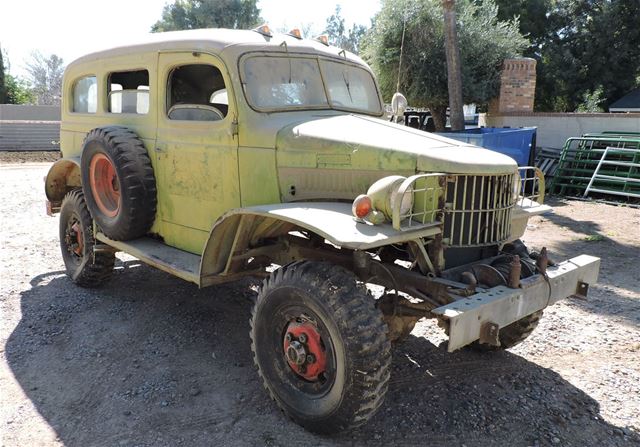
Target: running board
[{"x": 155, "y": 253}]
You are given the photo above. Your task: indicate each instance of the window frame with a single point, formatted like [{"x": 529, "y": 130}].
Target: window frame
[
  {"x": 170, "y": 69},
  {"x": 108, "y": 91},
  {"x": 73, "y": 91}
]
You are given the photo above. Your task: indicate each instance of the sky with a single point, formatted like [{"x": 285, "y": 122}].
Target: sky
[{"x": 71, "y": 28}]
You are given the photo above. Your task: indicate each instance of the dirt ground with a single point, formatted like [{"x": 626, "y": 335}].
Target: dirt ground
[{"x": 150, "y": 360}]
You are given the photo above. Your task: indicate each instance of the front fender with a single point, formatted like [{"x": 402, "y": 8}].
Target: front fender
[{"x": 241, "y": 228}]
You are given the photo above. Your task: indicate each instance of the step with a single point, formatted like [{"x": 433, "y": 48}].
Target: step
[{"x": 180, "y": 263}]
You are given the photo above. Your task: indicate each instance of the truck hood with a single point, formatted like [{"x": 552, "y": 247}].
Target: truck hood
[{"x": 358, "y": 142}]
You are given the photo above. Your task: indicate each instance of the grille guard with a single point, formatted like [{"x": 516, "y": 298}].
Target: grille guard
[{"x": 474, "y": 210}]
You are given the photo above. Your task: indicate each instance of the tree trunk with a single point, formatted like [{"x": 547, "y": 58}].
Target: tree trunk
[
  {"x": 454, "y": 73},
  {"x": 439, "y": 115}
]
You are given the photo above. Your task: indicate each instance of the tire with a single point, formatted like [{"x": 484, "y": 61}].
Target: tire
[
  {"x": 118, "y": 182},
  {"x": 85, "y": 267},
  {"x": 348, "y": 378}
]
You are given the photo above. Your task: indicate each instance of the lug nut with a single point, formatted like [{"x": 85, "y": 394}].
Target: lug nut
[
  {"x": 288, "y": 337},
  {"x": 303, "y": 338},
  {"x": 311, "y": 358}
]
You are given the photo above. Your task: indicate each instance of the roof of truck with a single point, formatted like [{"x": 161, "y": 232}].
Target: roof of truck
[{"x": 216, "y": 40}]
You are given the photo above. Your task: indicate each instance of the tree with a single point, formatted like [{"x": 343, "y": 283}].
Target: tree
[
  {"x": 583, "y": 47},
  {"x": 18, "y": 91},
  {"x": 338, "y": 34},
  {"x": 195, "y": 14},
  {"x": 45, "y": 76},
  {"x": 484, "y": 43},
  {"x": 3, "y": 88},
  {"x": 454, "y": 73}
]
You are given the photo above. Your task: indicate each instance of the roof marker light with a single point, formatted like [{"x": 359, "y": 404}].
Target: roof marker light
[
  {"x": 323, "y": 39},
  {"x": 264, "y": 30},
  {"x": 295, "y": 33}
]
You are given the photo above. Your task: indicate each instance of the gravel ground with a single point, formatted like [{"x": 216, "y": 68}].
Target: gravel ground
[{"x": 152, "y": 360}]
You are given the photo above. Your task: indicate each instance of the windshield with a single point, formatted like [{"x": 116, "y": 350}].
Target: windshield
[{"x": 276, "y": 83}]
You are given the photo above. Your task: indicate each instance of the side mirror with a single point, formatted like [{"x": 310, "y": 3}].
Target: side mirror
[{"x": 398, "y": 104}]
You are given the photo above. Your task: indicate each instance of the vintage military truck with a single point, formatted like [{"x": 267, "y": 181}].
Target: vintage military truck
[{"x": 216, "y": 154}]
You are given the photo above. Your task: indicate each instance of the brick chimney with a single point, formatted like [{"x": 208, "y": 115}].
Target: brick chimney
[{"x": 517, "y": 86}]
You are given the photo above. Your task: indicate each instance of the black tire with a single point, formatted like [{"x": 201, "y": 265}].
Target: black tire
[
  {"x": 85, "y": 267},
  {"x": 326, "y": 298},
  {"x": 513, "y": 334},
  {"x": 124, "y": 209}
]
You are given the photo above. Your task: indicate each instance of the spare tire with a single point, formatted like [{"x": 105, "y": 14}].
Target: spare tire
[{"x": 118, "y": 182}]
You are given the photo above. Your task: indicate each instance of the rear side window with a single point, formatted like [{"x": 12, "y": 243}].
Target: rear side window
[
  {"x": 85, "y": 95},
  {"x": 129, "y": 92}
]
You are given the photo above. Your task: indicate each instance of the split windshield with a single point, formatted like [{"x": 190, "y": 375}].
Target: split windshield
[{"x": 274, "y": 83}]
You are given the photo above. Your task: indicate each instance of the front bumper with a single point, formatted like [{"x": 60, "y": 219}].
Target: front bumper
[{"x": 470, "y": 318}]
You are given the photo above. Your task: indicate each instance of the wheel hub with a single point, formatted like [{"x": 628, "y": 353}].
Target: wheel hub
[
  {"x": 104, "y": 185},
  {"x": 73, "y": 238},
  {"x": 304, "y": 351}
]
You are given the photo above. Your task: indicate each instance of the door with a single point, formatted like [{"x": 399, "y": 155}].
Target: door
[{"x": 196, "y": 148}]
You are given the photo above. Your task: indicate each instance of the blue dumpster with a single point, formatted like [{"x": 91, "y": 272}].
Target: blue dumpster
[{"x": 518, "y": 144}]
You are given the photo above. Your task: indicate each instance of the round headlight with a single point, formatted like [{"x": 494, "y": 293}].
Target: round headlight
[
  {"x": 406, "y": 202},
  {"x": 517, "y": 187}
]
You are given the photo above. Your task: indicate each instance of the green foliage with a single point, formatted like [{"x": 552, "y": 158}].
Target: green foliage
[
  {"x": 3, "y": 88},
  {"x": 45, "y": 76},
  {"x": 532, "y": 18},
  {"x": 340, "y": 36},
  {"x": 195, "y": 14},
  {"x": 14, "y": 90},
  {"x": 581, "y": 46},
  {"x": 591, "y": 101},
  {"x": 18, "y": 91},
  {"x": 484, "y": 43}
]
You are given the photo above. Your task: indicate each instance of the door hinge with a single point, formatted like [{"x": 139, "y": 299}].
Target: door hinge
[{"x": 234, "y": 127}]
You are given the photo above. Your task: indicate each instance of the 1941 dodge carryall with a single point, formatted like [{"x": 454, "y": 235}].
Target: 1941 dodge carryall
[{"x": 215, "y": 154}]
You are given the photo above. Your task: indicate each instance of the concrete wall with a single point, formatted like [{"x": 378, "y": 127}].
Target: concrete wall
[
  {"x": 29, "y": 128},
  {"x": 555, "y": 128},
  {"x": 11, "y": 112}
]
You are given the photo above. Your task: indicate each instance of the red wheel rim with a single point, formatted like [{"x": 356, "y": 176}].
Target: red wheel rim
[
  {"x": 104, "y": 185},
  {"x": 74, "y": 239},
  {"x": 79, "y": 250},
  {"x": 305, "y": 351}
]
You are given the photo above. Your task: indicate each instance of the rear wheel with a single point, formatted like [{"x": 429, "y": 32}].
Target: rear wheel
[
  {"x": 84, "y": 266},
  {"x": 320, "y": 346}
]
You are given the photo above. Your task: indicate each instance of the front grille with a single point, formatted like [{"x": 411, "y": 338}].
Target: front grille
[{"x": 477, "y": 209}]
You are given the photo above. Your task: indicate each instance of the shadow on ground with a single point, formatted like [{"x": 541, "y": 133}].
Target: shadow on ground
[{"x": 151, "y": 360}]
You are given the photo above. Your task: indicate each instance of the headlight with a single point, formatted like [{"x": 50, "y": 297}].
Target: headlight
[
  {"x": 517, "y": 187},
  {"x": 406, "y": 202},
  {"x": 384, "y": 194}
]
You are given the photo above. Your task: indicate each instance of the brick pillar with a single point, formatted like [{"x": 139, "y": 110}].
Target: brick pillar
[{"x": 517, "y": 86}]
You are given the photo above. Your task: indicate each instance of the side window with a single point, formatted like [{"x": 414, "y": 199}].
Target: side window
[
  {"x": 129, "y": 92},
  {"x": 196, "y": 92},
  {"x": 85, "y": 95}
]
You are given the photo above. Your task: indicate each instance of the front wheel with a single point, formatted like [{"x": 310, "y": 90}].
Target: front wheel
[{"x": 320, "y": 346}]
